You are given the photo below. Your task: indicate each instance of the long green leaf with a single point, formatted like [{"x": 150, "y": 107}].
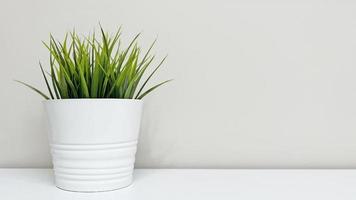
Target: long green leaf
[
  {"x": 45, "y": 78},
  {"x": 34, "y": 89},
  {"x": 53, "y": 78},
  {"x": 153, "y": 88},
  {"x": 149, "y": 77}
]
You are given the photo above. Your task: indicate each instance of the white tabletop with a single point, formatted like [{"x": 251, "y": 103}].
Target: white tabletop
[{"x": 187, "y": 184}]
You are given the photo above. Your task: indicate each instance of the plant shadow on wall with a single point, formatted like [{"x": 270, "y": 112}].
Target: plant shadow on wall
[
  {"x": 94, "y": 108},
  {"x": 89, "y": 68}
]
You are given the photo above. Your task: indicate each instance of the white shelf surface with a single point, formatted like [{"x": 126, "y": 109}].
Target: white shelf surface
[{"x": 189, "y": 184}]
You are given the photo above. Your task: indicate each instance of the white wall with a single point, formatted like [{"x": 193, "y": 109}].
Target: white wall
[{"x": 257, "y": 83}]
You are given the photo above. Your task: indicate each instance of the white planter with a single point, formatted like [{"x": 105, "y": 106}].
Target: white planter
[{"x": 93, "y": 142}]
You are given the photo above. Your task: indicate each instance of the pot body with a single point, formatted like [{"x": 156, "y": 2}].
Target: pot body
[{"x": 93, "y": 142}]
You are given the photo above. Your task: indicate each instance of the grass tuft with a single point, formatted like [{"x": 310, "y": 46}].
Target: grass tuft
[{"x": 97, "y": 67}]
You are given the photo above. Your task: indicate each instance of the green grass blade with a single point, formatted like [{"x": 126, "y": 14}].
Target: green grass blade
[
  {"x": 53, "y": 77},
  {"x": 45, "y": 78},
  {"x": 68, "y": 80},
  {"x": 152, "y": 88},
  {"x": 34, "y": 89},
  {"x": 63, "y": 85},
  {"x": 149, "y": 77},
  {"x": 147, "y": 53}
]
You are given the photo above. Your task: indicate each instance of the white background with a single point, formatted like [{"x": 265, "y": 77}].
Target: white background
[{"x": 258, "y": 84}]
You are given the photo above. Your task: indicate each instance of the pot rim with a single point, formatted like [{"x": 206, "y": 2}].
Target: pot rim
[{"x": 91, "y": 99}]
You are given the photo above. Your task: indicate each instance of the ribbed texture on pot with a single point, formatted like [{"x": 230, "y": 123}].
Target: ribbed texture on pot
[
  {"x": 93, "y": 167},
  {"x": 93, "y": 142}
]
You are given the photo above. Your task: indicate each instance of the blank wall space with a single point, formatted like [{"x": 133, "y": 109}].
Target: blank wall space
[{"x": 257, "y": 83}]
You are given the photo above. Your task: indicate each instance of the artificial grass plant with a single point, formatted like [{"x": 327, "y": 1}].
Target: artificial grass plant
[{"x": 92, "y": 67}]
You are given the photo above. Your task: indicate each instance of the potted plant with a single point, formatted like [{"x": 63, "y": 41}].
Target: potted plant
[{"x": 94, "y": 107}]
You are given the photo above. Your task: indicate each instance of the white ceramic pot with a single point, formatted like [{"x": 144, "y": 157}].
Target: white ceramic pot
[{"x": 93, "y": 142}]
